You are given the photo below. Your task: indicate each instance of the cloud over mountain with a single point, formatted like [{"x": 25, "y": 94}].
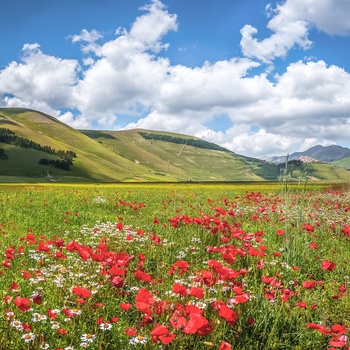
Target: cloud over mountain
[{"x": 133, "y": 75}]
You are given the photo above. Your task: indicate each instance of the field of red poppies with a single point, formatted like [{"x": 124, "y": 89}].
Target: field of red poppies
[{"x": 175, "y": 267}]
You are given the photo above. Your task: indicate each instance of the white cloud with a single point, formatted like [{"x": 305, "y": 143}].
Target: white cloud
[
  {"x": 291, "y": 22},
  {"x": 40, "y": 78},
  {"x": 329, "y": 16},
  {"x": 88, "y": 37},
  {"x": 308, "y": 104},
  {"x": 285, "y": 37},
  {"x": 152, "y": 26}
]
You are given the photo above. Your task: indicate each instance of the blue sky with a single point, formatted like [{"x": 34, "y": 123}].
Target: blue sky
[{"x": 258, "y": 77}]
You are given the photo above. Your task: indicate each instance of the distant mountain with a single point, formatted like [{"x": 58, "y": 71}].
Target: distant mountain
[{"x": 325, "y": 154}]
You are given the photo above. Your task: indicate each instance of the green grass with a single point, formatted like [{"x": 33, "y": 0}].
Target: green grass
[
  {"x": 343, "y": 163},
  {"x": 125, "y": 156},
  {"x": 161, "y": 228}
]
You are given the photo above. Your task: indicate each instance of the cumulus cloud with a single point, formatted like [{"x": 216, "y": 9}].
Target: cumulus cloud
[
  {"x": 40, "y": 77},
  {"x": 89, "y": 38},
  {"x": 308, "y": 104},
  {"x": 291, "y": 23}
]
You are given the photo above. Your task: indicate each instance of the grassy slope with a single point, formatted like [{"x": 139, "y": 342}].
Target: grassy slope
[
  {"x": 186, "y": 163},
  {"x": 318, "y": 171},
  {"x": 94, "y": 162},
  {"x": 342, "y": 163},
  {"x": 110, "y": 156}
]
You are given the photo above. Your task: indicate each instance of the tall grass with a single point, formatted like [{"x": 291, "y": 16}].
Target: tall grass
[{"x": 174, "y": 267}]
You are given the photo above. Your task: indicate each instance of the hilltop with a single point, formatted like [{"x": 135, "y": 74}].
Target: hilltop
[{"x": 37, "y": 147}]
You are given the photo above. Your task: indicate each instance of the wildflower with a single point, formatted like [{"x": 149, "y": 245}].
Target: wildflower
[
  {"x": 328, "y": 265},
  {"x": 197, "y": 324},
  {"x": 138, "y": 340},
  {"x": 55, "y": 325},
  {"x": 22, "y": 304},
  {"x": 28, "y": 337},
  {"x": 106, "y": 326},
  {"x": 125, "y": 306},
  {"x": 16, "y": 324},
  {"x": 38, "y": 317},
  {"x": 44, "y": 346},
  {"x": 201, "y": 305},
  {"x": 161, "y": 333},
  {"x": 225, "y": 346},
  {"x": 37, "y": 298},
  {"x": 196, "y": 292},
  {"x": 88, "y": 337},
  {"x": 62, "y": 331},
  {"x": 81, "y": 292}
]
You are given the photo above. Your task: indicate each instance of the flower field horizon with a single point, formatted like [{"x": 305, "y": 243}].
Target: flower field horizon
[{"x": 175, "y": 266}]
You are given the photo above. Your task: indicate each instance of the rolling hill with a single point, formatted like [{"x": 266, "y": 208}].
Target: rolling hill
[{"x": 125, "y": 156}]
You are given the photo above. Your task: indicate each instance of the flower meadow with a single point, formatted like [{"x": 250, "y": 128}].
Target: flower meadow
[{"x": 177, "y": 266}]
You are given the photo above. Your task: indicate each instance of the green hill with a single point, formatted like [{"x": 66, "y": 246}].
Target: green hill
[
  {"x": 94, "y": 162},
  {"x": 182, "y": 161},
  {"x": 130, "y": 155},
  {"x": 342, "y": 163}
]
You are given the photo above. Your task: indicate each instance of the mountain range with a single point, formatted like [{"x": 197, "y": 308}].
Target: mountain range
[
  {"x": 326, "y": 154},
  {"x": 36, "y": 147}
]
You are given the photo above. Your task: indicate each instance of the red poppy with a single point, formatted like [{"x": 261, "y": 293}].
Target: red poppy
[
  {"x": 144, "y": 296},
  {"x": 196, "y": 292},
  {"x": 14, "y": 286},
  {"x": 308, "y": 227},
  {"x": 26, "y": 327},
  {"x": 228, "y": 314},
  {"x": 161, "y": 333},
  {"x": 197, "y": 324},
  {"x": 328, "y": 265},
  {"x": 338, "y": 329},
  {"x": 313, "y": 245},
  {"x": 338, "y": 342},
  {"x": 225, "y": 346},
  {"x": 5, "y": 264},
  {"x": 81, "y": 292},
  {"x": 142, "y": 276},
  {"x": 22, "y": 303},
  {"x": 117, "y": 271},
  {"x": 182, "y": 265},
  {"x": 125, "y": 306},
  {"x": 144, "y": 300},
  {"x": 62, "y": 331},
  {"x": 131, "y": 332},
  {"x": 318, "y": 327},
  {"x": 280, "y": 232},
  {"x": 309, "y": 284},
  {"x": 117, "y": 282},
  {"x": 177, "y": 320},
  {"x": 179, "y": 289}
]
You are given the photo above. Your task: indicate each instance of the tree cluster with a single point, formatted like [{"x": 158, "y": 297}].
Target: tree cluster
[
  {"x": 3, "y": 155},
  {"x": 180, "y": 140},
  {"x": 56, "y": 163},
  {"x": 8, "y": 136}
]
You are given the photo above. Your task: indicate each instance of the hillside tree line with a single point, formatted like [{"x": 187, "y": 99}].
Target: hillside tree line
[
  {"x": 180, "y": 140},
  {"x": 9, "y": 137}
]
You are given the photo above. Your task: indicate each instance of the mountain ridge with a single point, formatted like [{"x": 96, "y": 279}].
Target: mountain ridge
[
  {"x": 129, "y": 156},
  {"x": 325, "y": 154}
]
